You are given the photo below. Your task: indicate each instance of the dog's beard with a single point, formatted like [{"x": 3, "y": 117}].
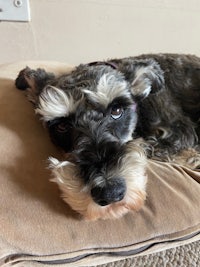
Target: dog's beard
[{"x": 78, "y": 196}]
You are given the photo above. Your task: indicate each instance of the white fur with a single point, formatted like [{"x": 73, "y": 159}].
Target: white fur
[
  {"x": 108, "y": 88},
  {"x": 54, "y": 103}
]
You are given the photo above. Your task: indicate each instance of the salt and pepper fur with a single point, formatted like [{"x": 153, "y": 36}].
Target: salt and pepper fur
[{"x": 109, "y": 117}]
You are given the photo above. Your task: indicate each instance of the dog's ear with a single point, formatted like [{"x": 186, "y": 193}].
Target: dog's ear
[
  {"x": 148, "y": 79},
  {"x": 33, "y": 81}
]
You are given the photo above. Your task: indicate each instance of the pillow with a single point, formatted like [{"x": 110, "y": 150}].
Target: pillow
[{"x": 38, "y": 228}]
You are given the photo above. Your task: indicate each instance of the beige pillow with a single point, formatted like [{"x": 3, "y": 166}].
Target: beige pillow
[{"x": 38, "y": 228}]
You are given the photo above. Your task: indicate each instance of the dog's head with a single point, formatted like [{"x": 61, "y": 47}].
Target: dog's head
[{"x": 91, "y": 113}]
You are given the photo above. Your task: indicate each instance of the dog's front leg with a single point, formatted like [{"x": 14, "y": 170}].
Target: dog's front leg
[{"x": 167, "y": 141}]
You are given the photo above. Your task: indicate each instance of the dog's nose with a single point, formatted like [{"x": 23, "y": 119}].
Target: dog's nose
[{"x": 112, "y": 192}]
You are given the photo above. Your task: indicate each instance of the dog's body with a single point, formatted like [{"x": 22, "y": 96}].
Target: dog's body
[{"x": 96, "y": 114}]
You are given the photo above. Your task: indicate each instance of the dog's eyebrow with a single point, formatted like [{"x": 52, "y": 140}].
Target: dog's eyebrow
[
  {"x": 123, "y": 101},
  {"x": 108, "y": 88},
  {"x": 55, "y": 103}
]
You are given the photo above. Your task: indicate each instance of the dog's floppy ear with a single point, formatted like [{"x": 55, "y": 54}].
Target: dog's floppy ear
[
  {"x": 148, "y": 79},
  {"x": 33, "y": 81}
]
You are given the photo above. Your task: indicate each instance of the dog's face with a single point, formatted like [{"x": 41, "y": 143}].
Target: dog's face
[{"x": 91, "y": 114}]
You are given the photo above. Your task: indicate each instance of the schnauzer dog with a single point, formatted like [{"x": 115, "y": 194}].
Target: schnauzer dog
[{"x": 109, "y": 117}]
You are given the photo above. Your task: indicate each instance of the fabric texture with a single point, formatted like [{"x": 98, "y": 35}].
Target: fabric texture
[
  {"x": 184, "y": 256},
  {"x": 39, "y": 229}
]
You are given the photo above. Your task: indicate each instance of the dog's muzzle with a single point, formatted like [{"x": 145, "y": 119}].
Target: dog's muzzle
[
  {"x": 112, "y": 191},
  {"x": 99, "y": 164}
]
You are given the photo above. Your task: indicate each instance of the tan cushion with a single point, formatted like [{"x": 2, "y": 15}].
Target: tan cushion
[{"x": 38, "y": 228}]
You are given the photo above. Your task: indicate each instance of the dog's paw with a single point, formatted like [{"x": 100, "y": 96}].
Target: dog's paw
[{"x": 189, "y": 158}]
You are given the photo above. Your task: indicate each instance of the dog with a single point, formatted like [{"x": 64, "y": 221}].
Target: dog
[{"x": 109, "y": 117}]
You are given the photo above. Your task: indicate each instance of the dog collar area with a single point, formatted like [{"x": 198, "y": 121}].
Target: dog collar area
[{"x": 107, "y": 63}]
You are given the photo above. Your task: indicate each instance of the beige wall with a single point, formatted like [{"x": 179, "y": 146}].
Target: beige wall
[{"x": 77, "y": 31}]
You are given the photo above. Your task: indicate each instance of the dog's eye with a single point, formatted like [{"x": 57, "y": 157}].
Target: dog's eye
[
  {"x": 116, "y": 112},
  {"x": 62, "y": 127}
]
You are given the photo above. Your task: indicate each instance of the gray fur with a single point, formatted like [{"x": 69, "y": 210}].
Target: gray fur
[{"x": 159, "y": 100}]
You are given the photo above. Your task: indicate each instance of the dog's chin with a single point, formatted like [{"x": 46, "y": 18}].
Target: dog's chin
[{"x": 78, "y": 197}]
